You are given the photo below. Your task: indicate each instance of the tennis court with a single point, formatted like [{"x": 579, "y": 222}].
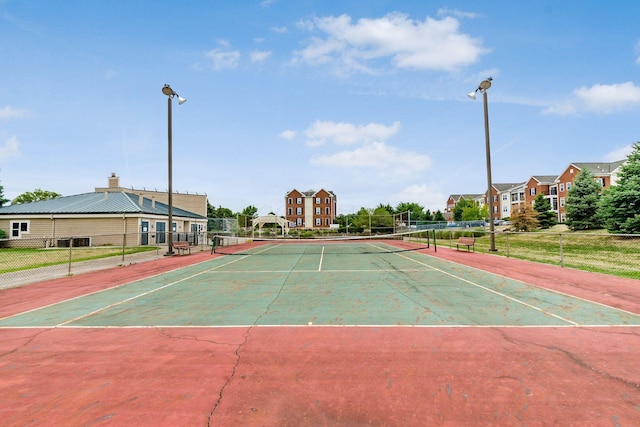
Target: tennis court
[{"x": 323, "y": 333}]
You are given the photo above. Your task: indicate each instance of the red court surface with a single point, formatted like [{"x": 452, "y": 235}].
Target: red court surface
[{"x": 322, "y": 376}]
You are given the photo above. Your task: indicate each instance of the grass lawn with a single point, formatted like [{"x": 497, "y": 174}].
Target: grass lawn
[{"x": 17, "y": 259}]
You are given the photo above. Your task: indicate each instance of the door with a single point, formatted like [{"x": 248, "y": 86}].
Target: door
[
  {"x": 161, "y": 232},
  {"x": 144, "y": 233}
]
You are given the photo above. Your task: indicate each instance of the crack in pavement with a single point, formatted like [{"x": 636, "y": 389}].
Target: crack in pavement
[
  {"x": 574, "y": 358},
  {"x": 240, "y": 347}
]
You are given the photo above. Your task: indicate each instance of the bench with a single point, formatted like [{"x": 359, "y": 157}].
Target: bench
[
  {"x": 469, "y": 242},
  {"x": 182, "y": 246}
]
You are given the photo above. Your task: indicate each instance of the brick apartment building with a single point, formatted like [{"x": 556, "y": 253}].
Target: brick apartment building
[
  {"x": 310, "y": 209},
  {"x": 507, "y": 198}
]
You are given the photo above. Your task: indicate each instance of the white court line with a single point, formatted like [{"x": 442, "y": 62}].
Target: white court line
[
  {"x": 493, "y": 291},
  {"x": 126, "y": 284},
  {"x": 321, "y": 258},
  {"x": 323, "y": 326}
]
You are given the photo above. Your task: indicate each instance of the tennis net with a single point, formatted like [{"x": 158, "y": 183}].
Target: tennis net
[{"x": 383, "y": 243}]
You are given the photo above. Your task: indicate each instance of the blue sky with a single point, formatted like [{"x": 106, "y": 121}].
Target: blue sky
[{"x": 366, "y": 98}]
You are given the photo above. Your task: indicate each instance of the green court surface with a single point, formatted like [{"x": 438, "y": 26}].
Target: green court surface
[{"x": 362, "y": 284}]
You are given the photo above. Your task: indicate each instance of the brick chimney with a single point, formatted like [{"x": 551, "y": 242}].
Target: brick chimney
[{"x": 114, "y": 181}]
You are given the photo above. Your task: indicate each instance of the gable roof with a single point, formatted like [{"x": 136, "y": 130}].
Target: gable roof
[
  {"x": 600, "y": 167},
  {"x": 545, "y": 179},
  {"x": 96, "y": 203}
]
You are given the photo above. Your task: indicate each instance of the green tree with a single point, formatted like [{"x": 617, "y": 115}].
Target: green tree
[
  {"x": 35, "y": 196},
  {"x": 439, "y": 216},
  {"x": 219, "y": 212},
  {"x": 245, "y": 217},
  {"x": 620, "y": 203},
  {"x": 2, "y": 199},
  {"x": 546, "y": 217},
  {"x": 381, "y": 220},
  {"x": 415, "y": 210},
  {"x": 582, "y": 202},
  {"x": 360, "y": 220},
  {"x": 459, "y": 208},
  {"x": 471, "y": 212},
  {"x": 524, "y": 219}
]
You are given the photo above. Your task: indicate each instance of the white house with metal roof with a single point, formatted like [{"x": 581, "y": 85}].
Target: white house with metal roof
[{"x": 95, "y": 219}]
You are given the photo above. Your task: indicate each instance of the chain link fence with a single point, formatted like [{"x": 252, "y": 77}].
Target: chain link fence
[
  {"x": 24, "y": 261},
  {"x": 613, "y": 254}
]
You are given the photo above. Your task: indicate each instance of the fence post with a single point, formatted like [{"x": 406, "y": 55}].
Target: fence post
[
  {"x": 70, "y": 247},
  {"x": 435, "y": 245},
  {"x": 124, "y": 242},
  {"x": 561, "y": 252},
  {"x": 507, "y": 244}
]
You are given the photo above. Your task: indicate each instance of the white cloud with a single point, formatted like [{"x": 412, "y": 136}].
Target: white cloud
[
  {"x": 266, "y": 3},
  {"x": 618, "y": 154},
  {"x": 426, "y": 45},
  {"x": 223, "y": 59},
  {"x": 427, "y": 195},
  {"x": 376, "y": 155},
  {"x": 445, "y": 11},
  {"x": 258, "y": 56},
  {"x": 280, "y": 30},
  {"x": 341, "y": 133},
  {"x": 600, "y": 99},
  {"x": 9, "y": 112},
  {"x": 11, "y": 148},
  {"x": 289, "y": 135}
]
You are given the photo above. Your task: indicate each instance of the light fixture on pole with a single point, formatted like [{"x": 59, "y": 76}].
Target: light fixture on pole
[
  {"x": 482, "y": 88},
  {"x": 170, "y": 94}
]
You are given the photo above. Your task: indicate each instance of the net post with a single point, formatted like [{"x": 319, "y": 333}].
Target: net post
[{"x": 435, "y": 245}]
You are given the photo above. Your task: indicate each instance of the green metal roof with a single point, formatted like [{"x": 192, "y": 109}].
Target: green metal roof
[{"x": 96, "y": 203}]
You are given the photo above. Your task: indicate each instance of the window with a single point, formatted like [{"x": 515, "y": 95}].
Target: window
[
  {"x": 554, "y": 204},
  {"x": 289, "y": 211},
  {"x": 318, "y": 221},
  {"x": 299, "y": 221},
  {"x": 495, "y": 209},
  {"x": 600, "y": 181},
  {"x": 505, "y": 209},
  {"x": 327, "y": 211},
  {"x": 19, "y": 228},
  {"x": 505, "y": 196},
  {"x": 318, "y": 200},
  {"x": 553, "y": 191},
  {"x": 495, "y": 198},
  {"x": 290, "y": 201},
  {"x": 299, "y": 200},
  {"x": 562, "y": 202},
  {"x": 561, "y": 187},
  {"x": 532, "y": 191},
  {"x": 318, "y": 211},
  {"x": 327, "y": 200},
  {"x": 326, "y": 222},
  {"x": 568, "y": 186},
  {"x": 298, "y": 211}
]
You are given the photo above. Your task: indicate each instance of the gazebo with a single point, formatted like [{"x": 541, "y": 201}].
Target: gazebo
[{"x": 270, "y": 219}]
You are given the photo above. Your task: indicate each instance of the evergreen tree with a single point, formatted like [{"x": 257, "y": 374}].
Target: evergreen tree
[
  {"x": 524, "y": 219},
  {"x": 439, "y": 216},
  {"x": 620, "y": 204},
  {"x": 2, "y": 199},
  {"x": 546, "y": 217},
  {"x": 582, "y": 202}
]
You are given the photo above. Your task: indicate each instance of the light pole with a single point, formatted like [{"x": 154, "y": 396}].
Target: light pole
[
  {"x": 170, "y": 94},
  {"x": 482, "y": 88}
]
